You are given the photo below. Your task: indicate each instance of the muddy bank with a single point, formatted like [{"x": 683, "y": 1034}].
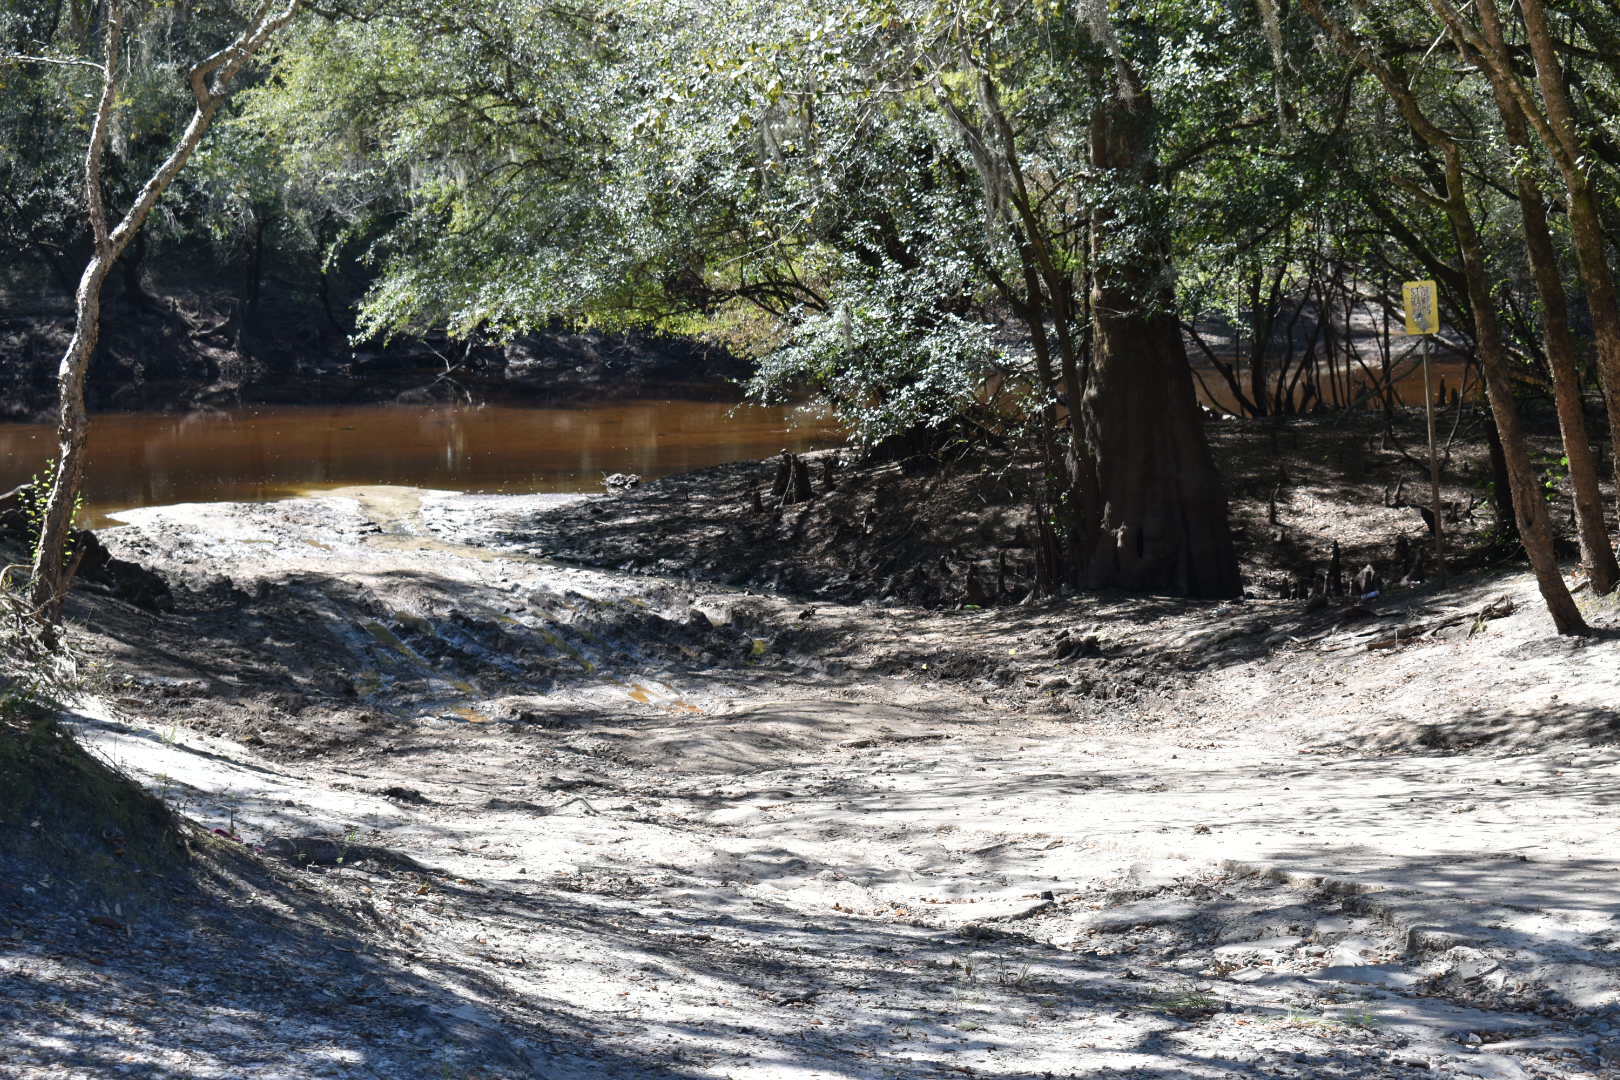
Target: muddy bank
[{"x": 961, "y": 533}]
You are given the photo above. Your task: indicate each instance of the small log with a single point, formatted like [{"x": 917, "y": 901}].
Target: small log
[{"x": 1499, "y": 608}]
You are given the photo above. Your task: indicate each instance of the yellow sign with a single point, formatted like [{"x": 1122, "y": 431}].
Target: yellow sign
[{"x": 1422, "y": 301}]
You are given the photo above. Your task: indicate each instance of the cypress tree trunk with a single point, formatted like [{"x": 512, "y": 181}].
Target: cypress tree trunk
[{"x": 1156, "y": 513}]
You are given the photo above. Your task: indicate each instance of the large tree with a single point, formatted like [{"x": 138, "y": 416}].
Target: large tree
[
  {"x": 1154, "y": 510},
  {"x": 887, "y": 182}
]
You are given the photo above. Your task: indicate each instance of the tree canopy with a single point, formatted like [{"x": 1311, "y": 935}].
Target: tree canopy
[{"x": 933, "y": 213}]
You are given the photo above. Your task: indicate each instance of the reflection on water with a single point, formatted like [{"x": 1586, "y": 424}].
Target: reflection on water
[{"x": 145, "y": 459}]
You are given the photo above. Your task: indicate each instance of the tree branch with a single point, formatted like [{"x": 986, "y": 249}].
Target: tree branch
[
  {"x": 57, "y": 61},
  {"x": 100, "y": 129},
  {"x": 224, "y": 65}
]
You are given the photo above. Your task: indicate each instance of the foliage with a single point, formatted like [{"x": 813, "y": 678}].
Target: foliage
[
  {"x": 511, "y": 164},
  {"x": 48, "y": 90},
  {"x": 907, "y": 207},
  {"x": 508, "y": 165}
]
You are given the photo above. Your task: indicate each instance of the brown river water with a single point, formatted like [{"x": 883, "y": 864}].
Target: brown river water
[{"x": 152, "y": 459}]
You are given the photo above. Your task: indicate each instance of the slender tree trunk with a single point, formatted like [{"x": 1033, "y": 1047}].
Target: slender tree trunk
[
  {"x": 1328, "y": 306},
  {"x": 48, "y": 581},
  {"x": 1501, "y": 485},
  {"x": 72, "y": 426},
  {"x": 1597, "y": 554},
  {"x": 1158, "y": 513},
  {"x": 1386, "y": 360},
  {"x": 210, "y": 79},
  {"x": 1530, "y": 507},
  {"x": 1259, "y": 341},
  {"x": 1052, "y": 460},
  {"x": 1586, "y": 225},
  {"x": 1553, "y": 119},
  {"x": 254, "y": 284},
  {"x": 1048, "y": 291}
]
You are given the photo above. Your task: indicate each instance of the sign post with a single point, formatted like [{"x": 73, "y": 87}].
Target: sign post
[{"x": 1422, "y": 302}]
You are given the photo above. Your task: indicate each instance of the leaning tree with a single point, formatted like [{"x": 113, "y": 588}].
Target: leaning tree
[{"x": 209, "y": 81}]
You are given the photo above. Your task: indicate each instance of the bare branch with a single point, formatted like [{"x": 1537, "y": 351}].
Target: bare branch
[{"x": 57, "y": 61}]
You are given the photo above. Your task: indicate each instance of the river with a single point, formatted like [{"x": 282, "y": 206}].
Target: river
[{"x": 257, "y": 454}]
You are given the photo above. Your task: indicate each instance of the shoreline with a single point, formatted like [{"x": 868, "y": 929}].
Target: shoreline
[{"x": 142, "y": 459}]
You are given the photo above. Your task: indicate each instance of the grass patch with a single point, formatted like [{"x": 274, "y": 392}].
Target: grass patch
[{"x": 1189, "y": 1006}]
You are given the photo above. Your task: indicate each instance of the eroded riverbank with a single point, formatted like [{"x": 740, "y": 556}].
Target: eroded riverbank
[{"x": 594, "y": 823}]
